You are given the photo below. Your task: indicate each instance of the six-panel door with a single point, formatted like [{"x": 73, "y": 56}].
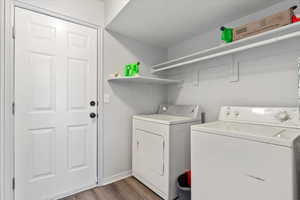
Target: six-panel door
[{"x": 55, "y": 79}]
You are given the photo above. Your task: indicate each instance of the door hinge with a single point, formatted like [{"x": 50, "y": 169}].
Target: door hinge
[
  {"x": 13, "y": 108},
  {"x": 13, "y": 183},
  {"x": 14, "y": 32}
]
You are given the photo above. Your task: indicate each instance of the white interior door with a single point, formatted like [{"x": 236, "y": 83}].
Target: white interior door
[{"x": 55, "y": 80}]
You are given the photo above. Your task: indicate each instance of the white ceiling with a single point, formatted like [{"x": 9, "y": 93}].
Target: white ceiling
[{"x": 166, "y": 22}]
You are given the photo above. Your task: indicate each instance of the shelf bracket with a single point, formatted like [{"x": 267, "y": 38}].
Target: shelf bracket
[
  {"x": 196, "y": 79},
  {"x": 235, "y": 70}
]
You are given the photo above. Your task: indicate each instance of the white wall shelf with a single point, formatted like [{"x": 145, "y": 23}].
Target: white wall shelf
[
  {"x": 266, "y": 38},
  {"x": 144, "y": 79}
]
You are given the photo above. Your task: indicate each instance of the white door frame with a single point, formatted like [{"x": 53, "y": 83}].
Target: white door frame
[
  {"x": 7, "y": 91},
  {"x": 1, "y": 97}
]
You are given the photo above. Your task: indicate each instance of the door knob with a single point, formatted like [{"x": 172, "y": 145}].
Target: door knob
[
  {"x": 92, "y": 103},
  {"x": 92, "y": 115}
]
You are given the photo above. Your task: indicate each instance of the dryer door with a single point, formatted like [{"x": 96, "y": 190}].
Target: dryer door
[{"x": 150, "y": 158}]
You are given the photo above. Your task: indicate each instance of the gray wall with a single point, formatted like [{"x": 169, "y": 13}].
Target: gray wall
[
  {"x": 126, "y": 99},
  {"x": 268, "y": 75}
]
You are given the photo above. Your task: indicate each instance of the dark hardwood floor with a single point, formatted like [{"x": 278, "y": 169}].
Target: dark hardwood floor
[{"x": 127, "y": 189}]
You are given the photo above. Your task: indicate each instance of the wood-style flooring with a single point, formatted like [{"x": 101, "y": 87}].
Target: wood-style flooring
[{"x": 127, "y": 189}]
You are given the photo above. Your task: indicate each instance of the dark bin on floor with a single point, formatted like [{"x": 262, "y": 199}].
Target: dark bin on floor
[{"x": 183, "y": 187}]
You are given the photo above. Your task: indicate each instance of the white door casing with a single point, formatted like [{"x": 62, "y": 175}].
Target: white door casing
[
  {"x": 55, "y": 79},
  {"x": 2, "y": 85}
]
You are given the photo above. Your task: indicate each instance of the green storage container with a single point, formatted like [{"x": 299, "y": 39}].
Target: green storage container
[
  {"x": 132, "y": 69},
  {"x": 227, "y": 34}
]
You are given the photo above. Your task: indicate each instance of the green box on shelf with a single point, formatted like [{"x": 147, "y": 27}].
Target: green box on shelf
[{"x": 132, "y": 69}]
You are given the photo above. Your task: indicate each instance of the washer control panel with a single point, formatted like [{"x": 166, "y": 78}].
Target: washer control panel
[{"x": 285, "y": 116}]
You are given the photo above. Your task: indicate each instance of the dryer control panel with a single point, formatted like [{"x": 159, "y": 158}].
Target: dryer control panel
[{"x": 192, "y": 111}]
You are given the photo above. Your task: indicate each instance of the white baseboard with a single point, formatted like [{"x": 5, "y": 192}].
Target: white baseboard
[
  {"x": 117, "y": 177},
  {"x": 63, "y": 195}
]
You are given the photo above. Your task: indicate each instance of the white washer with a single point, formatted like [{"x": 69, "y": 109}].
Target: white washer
[
  {"x": 161, "y": 147},
  {"x": 250, "y": 153}
]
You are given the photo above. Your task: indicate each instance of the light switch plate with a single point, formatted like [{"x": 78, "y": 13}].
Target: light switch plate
[{"x": 106, "y": 98}]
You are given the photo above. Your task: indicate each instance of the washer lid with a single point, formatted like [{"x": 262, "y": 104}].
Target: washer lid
[
  {"x": 166, "y": 119},
  {"x": 261, "y": 133}
]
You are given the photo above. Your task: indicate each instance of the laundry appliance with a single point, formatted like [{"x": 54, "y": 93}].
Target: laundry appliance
[
  {"x": 249, "y": 153},
  {"x": 161, "y": 146}
]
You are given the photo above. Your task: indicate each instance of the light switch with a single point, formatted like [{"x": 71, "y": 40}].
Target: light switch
[{"x": 106, "y": 98}]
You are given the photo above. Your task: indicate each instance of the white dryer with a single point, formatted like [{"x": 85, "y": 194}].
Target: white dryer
[
  {"x": 250, "y": 153},
  {"x": 161, "y": 147}
]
